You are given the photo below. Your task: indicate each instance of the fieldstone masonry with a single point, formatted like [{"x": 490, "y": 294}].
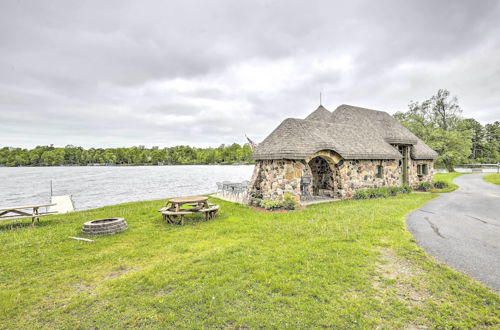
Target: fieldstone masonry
[
  {"x": 362, "y": 174},
  {"x": 414, "y": 179},
  {"x": 272, "y": 179}
]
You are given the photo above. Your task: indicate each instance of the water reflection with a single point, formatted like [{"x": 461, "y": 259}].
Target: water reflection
[{"x": 99, "y": 186}]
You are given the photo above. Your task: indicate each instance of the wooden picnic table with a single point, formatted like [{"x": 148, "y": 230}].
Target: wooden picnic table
[
  {"x": 173, "y": 209},
  {"x": 200, "y": 201},
  {"x": 28, "y": 211}
]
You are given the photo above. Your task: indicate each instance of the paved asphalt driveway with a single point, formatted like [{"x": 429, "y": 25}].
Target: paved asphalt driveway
[{"x": 462, "y": 228}]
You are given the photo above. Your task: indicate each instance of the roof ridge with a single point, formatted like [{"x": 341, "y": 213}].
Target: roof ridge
[
  {"x": 321, "y": 113},
  {"x": 359, "y": 108},
  {"x": 358, "y": 134}
]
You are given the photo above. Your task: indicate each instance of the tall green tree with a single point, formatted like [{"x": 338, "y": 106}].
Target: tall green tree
[
  {"x": 438, "y": 122},
  {"x": 492, "y": 142},
  {"x": 477, "y": 137}
]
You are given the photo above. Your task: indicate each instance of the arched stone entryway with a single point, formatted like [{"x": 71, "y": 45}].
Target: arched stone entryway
[{"x": 324, "y": 176}]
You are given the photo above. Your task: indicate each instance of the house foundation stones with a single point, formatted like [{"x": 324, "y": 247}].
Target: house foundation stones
[
  {"x": 272, "y": 179},
  {"x": 362, "y": 174},
  {"x": 414, "y": 178}
]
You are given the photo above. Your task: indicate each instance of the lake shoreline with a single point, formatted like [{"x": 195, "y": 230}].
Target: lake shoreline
[{"x": 97, "y": 186}]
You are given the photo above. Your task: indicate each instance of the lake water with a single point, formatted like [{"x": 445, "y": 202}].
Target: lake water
[{"x": 96, "y": 186}]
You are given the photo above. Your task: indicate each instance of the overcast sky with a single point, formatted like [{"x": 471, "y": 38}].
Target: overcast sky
[{"x": 203, "y": 73}]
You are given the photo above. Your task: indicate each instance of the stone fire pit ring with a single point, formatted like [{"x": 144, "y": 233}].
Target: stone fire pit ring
[{"x": 105, "y": 226}]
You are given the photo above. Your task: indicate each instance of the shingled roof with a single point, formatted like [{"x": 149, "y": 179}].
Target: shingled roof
[
  {"x": 319, "y": 114},
  {"x": 352, "y": 132}
]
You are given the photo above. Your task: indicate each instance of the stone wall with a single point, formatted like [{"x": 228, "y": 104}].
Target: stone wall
[
  {"x": 272, "y": 179},
  {"x": 362, "y": 174},
  {"x": 414, "y": 179}
]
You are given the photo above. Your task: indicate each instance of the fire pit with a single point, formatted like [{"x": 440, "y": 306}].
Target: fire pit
[{"x": 105, "y": 226}]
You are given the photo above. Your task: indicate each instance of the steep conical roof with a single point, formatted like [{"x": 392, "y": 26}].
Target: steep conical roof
[
  {"x": 300, "y": 138},
  {"x": 352, "y": 132},
  {"x": 321, "y": 113}
]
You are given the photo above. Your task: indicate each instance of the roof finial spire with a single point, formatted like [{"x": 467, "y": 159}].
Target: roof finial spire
[{"x": 320, "y": 103}]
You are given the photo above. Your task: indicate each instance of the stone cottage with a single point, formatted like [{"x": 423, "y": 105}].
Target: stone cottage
[{"x": 333, "y": 154}]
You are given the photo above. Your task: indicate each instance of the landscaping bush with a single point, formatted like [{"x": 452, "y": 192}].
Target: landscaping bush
[
  {"x": 378, "y": 193},
  {"x": 271, "y": 204},
  {"x": 405, "y": 189},
  {"x": 257, "y": 201},
  {"x": 381, "y": 192},
  {"x": 289, "y": 203},
  {"x": 441, "y": 184},
  {"x": 372, "y": 193},
  {"x": 424, "y": 186},
  {"x": 393, "y": 191},
  {"x": 361, "y": 194}
]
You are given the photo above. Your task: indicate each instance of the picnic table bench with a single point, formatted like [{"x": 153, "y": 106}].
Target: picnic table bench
[
  {"x": 22, "y": 212},
  {"x": 174, "y": 213}
]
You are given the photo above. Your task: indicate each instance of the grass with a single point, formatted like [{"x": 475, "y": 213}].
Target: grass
[
  {"x": 492, "y": 178},
  {"x": 448, "y": 178},
  {"x": 347, "y": 264}
]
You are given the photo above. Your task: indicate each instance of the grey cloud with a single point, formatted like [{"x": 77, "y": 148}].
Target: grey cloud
[{"x": 128, "y": 72}]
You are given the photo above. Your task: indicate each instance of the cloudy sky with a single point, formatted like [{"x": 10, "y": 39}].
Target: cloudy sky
[{"x": 118, "y": 73}]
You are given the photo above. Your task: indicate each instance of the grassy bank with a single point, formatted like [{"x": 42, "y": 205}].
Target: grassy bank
[
  {"x": 492, "y": 178},
  {"x": 448, "y": 178},
  {"x": 341, "y": 264}
]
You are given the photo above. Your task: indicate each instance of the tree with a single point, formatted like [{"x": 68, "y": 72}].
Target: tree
[
  {"x": 492, "y": 143},
  {"x": 438, "y": 122},
  {"x": 71, "y": 155},
  {"x": 444, "y": 112},
  {"x": 53, "y": 157},
  {"x": 477, "y": 136}
]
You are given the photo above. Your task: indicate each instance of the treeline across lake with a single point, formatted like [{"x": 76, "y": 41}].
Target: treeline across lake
[{"x": 71, "y": 155}]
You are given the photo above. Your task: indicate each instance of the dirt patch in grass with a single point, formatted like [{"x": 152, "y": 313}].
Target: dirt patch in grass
[
  {"x": 165, "y": 292},
  {"x": 415, "y": 327},
  {"x": 399, "y": 276},
  {"x": 120, "y": 271},
  {"x": 81, "y": 287}
]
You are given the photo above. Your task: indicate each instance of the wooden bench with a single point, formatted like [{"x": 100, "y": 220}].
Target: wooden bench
[
  {"x": 22, "y": 212},
  {"x": 171, "y": 215},
  {"x": 211, "y": 212}
]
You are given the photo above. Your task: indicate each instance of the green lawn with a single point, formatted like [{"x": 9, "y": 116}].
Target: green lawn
[
  {"x": 492, "y": 178},
  {"x": 337, "y": 265},
  {"x": 448, "y": 178}
]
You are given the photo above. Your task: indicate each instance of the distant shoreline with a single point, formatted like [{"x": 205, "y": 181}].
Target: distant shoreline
[{"x": 127, "y": 156}]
